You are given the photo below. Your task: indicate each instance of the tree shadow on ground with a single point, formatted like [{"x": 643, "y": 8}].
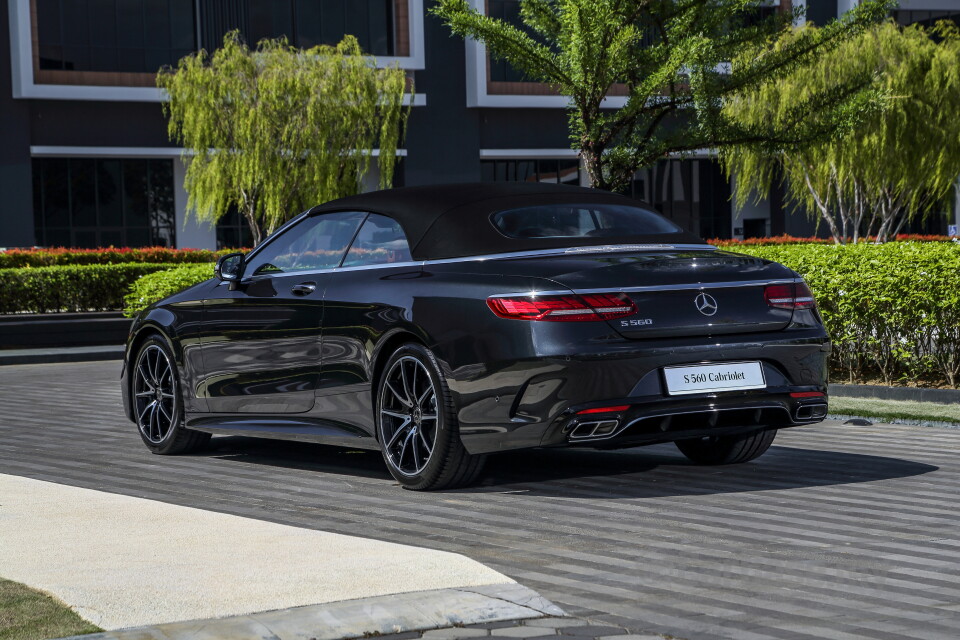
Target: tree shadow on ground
[{"x": 641, "y": 472}]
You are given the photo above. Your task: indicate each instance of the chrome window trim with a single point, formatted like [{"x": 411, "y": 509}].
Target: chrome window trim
[
  {"x": 564, "y": 251},
  {"x": 693, "y": 286},
  {"x": 576, "y": 251},
  {"x": 356, "y": 235},
  {"x": 283, "y": 229}
]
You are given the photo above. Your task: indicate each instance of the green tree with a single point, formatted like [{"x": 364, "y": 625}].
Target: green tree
[
  {"x": 277, "y": 129},
  {"x": 673, "y": 59},
  {"x": 902, "y": 159}
]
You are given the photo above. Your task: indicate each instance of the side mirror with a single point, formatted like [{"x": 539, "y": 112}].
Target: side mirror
[{"x": 229, "y": 268}]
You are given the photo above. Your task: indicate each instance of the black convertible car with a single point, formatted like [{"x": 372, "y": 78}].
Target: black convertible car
[{"x": 441, "y": 324}]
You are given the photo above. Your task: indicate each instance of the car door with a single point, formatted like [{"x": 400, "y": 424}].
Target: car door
[
  {"x": 363, "y": 300},
  {"x": 261, "y": 341}
]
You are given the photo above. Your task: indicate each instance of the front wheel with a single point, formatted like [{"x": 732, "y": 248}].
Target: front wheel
[
  {"x": 157, "y": 403},
  {"x": 417, "y": 424},
  {"x": 727, "y": 449}
]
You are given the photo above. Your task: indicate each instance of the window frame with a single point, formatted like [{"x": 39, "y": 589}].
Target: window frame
[
  {"x": 396, "y": 25},
  {"x": 247, "y": 277},
  {"x": 495, "y": 220},
  {"x": 116, "y": 77},
  {"x": 157, "y": 196},
  {"x": 356, "y": 236},
  {"x": 289, "y": 227}
]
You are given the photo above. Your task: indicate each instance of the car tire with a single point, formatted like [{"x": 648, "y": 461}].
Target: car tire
[
  {"x": 417, "y": 424},
  {"x": 712, "y": 450},
  {"x": 158, "y": 401}
]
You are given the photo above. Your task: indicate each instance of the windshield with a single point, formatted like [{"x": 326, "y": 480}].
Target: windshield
[{"x": 581, "y": 221}]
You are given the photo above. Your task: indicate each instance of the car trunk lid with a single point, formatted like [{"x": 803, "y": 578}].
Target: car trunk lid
[{"x": 686, "y": 292}]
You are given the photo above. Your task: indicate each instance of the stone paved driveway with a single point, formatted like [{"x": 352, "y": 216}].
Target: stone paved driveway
[{"x": 838, "y": 532}]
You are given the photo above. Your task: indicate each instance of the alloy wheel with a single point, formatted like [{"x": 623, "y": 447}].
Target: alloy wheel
[
  {"x": 154, "y": 394},
  {"x": 408, "y": 416}
]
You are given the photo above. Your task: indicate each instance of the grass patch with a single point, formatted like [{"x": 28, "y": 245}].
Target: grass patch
[
  {"x": 27, "y": 614},
  {"x": 892, "y": 409}
]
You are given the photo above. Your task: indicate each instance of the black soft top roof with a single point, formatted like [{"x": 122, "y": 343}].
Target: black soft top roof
[{"x": 453, "y": 220}]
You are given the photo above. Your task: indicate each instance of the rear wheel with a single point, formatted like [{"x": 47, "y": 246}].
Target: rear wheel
[
  {"x": 157, "y": 403},
  {"x": 727, "y": 449},
  {"x": 417, "y": 424}
]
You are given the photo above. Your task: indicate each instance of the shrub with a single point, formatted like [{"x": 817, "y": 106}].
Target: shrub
[
  {"x": 156, "y": 286},
  {"x": 893, "y": 310},
  {"x": 97, "y": 287},
  {"x": 785, "y": 239},
  {"x": 14, "y": 258}
]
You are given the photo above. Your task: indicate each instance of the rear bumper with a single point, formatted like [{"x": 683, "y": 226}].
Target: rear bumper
[
  {"x": 652, "y": 421},
  {"x": 534, "y": 402}
]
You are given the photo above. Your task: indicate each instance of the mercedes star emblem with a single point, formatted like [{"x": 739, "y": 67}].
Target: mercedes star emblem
[{"x": 706, "y": 304}]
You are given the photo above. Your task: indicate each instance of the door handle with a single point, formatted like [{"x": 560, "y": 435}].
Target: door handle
[{"x": 304, "y": 288}]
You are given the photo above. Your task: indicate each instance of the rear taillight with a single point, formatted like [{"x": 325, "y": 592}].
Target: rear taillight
[
  {"x": 563, "y": 308},
  {"x": 789, "y": 296},
  {"x": 615, "y": 409}
]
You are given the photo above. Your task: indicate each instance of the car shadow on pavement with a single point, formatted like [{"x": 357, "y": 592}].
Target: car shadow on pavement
[
  {"x": 303, "y": 456},
  {"x": 661, "y": 471},
  {"x": 641, "y": 472}
]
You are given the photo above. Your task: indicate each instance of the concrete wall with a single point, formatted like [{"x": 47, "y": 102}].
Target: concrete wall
[{"x": 191, "y": 233}]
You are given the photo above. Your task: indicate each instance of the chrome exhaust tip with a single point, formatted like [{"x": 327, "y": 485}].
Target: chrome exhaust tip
[
  {"x": 811, "y": 411},
  {"x": 595, "y": 429}
]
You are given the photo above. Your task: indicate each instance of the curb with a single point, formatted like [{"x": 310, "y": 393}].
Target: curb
[
  {"x": 59, "y": 355},
  {"x": 55, "y": 330},
  {"x": 365, "y": 617},
  {"x": 904, "y": 421},
  {"x": 937, "y": 396}
]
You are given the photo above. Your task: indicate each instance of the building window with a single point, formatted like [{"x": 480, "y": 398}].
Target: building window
[
  {"x": 101, "y": 202},
  {"x": 308, "y": 23},
  {"x": 233, "y": 231},
  {"x": 508, "y": 11},
  {"x": 925, "y": 18},
  {"x": 114, "y": 35},
  {"x": 694, "y": 194},
  {"x": 756, "y": 15},
  {"x": 531, "y": 170}
]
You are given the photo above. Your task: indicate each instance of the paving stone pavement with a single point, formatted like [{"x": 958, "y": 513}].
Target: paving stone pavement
[
  {"x": 839, "y": 532},
  {"x": 536, "y": 629}
]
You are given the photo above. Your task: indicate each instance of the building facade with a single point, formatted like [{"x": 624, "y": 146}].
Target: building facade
[{"x": 86, "y": 160}]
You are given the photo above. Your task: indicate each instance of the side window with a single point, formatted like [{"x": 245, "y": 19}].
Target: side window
[
  {"x": 317, "y": 242},
  {"x": 380, "y": 241}
]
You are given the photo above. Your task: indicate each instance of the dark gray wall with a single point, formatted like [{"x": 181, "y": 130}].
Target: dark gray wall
[
  {"x": 101, "y": 124},
  {"x": 821, "y": 11},
  {"x": 801, "y": 225},
  {"x": 442, "y": 137},
  {"x": 16, "y": 195},
  {"x": 523, "y": 129}
]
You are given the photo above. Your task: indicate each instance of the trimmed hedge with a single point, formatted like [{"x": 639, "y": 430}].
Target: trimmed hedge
[
  {"x": 97, "y": 287},
  {"x": 785, "y": 239},
  {"x": 893, "y": 310},
  {"x": 14, "y": 258},
  {"x": 156, "y": 286}
]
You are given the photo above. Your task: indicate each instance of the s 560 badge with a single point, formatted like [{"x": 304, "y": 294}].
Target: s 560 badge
[{"x": 635, "y": 323}]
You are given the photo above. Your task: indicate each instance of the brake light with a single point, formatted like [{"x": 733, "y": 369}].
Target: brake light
[
  {"x": 807, "y": 394},
  {"x": 789, "y": 296},
  {"x": 616, "y": 409},
  {"x": 563, "y": 308}
]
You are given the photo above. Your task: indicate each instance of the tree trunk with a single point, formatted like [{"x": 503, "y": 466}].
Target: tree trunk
[
  {"x": 250, "y": 213},
  {"x": 824, "y": 210},
  {"x": 593, "y": 164}
]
